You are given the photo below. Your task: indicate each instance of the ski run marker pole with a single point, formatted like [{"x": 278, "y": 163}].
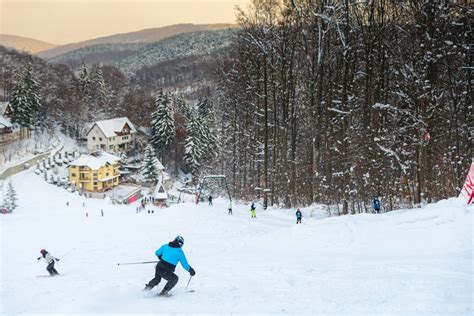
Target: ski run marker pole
[{"x": 143, "y": 262}]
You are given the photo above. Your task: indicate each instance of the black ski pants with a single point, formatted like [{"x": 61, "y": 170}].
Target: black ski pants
[
  {"x": 51, "y": 269},
  {"x": 165, "y": 274}
]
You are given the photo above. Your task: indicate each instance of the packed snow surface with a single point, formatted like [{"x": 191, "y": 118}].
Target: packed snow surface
[{"x": 404, "y": 262}]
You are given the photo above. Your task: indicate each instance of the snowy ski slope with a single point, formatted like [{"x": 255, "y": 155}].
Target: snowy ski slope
[{"x": 408, "y": 262}]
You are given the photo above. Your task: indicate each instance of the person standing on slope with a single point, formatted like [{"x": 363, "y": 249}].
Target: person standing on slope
[
  {"x": 169, "y": 254},
  {"x": 253, "y": 210},
  {"x": 50, "y": 261},
  {"x": 376, "y": 204},
  {"x": 209, "y": 198},
  {"x": 298, "y": 216}
]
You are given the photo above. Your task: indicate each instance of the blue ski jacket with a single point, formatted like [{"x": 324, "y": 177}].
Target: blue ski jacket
[
  {"x": 376, "y": 204},
  {"x": 172, "y": 255}
]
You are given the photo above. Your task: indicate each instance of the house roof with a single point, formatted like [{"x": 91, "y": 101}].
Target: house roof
[
  {"x": 3, "y": 107},
  {"x": 96, "y": 161},
  {"x": 160, "y": 195},
  {"x": 5, "y": 122},
  {"x": 113, "y": 127}
]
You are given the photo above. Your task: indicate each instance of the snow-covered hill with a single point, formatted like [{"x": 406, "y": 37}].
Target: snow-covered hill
[{"x": 404, "y": 262}]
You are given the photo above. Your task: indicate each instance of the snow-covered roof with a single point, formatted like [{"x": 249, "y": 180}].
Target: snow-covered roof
[
  {"x": 159, "y": 165},
  {"x": 96, "y": 161},
  {"x": 3, "y": 107},
  {"x": 114, "y": 127},
  {"x": 5, "y": 122},
  {"x": 160, "y": 195}
]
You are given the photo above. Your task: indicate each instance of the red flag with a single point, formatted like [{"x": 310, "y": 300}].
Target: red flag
[{"x": 468, "y": 189}]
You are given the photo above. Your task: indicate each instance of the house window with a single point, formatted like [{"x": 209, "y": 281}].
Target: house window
[
  {"x": 97, "y": 147},
  {"x": 111, "y": 147},
  {"x": 73, "y": 174},
  {"x": 95, "y": 183},
  {"x": 93, "y": 138},
  {"x": 100, "y": 138},
  {"x": 106, "y": 174},
  {"x": 125, "y": 137}
]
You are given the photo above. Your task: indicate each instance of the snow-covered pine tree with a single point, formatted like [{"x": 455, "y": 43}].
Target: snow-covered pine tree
[
  {"x": 84, "y": 78},
  {"x": 206, "y": 121},
  {"x": 149, "y": 168},
  {"x": 181, "y": 106},
  {"x": 99, "y": 85},
  {"x": 25, "y": 100},
  {"x": 123, "y": 158},
  {"x": 194, "y": 146},
  {"x": 204, "y": 107},
  {"x": 11, "y": 198},
  {"x": 162, "y": 128}
]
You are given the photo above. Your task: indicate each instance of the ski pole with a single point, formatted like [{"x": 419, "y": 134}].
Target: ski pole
[
  {"x": 143, "y": 262},
  {"x": 188, "y": 282},
  {"x": 67, "y": 253}
]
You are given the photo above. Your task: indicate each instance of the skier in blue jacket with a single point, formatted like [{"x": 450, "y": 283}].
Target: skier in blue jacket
[
  {"x": 376, "y": 204},
  {"x": 169, "y": 254}
]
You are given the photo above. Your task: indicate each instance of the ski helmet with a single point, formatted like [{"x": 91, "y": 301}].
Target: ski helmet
[
  {"x": 43, "y": 251},
  {"x": 179, "y": 240}
]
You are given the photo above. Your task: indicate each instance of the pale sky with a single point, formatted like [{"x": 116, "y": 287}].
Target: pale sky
[{"x": 68, "y": 21}]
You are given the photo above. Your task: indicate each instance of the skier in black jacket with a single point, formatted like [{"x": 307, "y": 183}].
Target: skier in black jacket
[{"x": 298, "y": 216}]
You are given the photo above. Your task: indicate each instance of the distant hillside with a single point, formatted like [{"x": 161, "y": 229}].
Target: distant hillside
[
  {"x": 97, "y": 54},
  {"x": 143, "y": 36},
  {"x": 24, "y": 44},
  {"x": 176, "y": 47}
]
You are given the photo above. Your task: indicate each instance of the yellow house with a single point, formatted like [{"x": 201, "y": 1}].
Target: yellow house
[{"x": 97, "y": 172}]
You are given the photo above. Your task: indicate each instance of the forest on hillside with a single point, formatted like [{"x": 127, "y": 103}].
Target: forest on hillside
[
  {"x": 309, "y": 101},
  {"x": 337, "y": 101}
]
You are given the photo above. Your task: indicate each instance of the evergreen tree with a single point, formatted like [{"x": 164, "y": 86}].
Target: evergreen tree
[
  {"x": 149, "y": 168},
  {"x": 99, "y": 86},
  {"x": 181, "y": 106},
  {"x": 207, "y": 135},
  {"x": 123, "y": 158},
  {"x": 25, "y": 100},
  {"x": 11, "y": 198},
  {"x": 84, "y": 79},
  {"x": 162, "y": 128},
  {"x": 204, "y": 107},
  {"x": 194, "y": 147}
]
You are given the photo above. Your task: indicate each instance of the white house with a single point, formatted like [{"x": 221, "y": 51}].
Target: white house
[
  {"x": 113, "y": 135},
  {"x": 160, "y": 195},
  {"x": 9, "y": 132}
]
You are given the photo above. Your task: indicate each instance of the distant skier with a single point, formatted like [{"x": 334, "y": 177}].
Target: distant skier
[
  {"x": 210, "y": 200},
  {"x": 169, "y": 254},
  {"x": 376, "y": 204},
  {"x": 229, "y": 209},
  {"x": 253, "y": 210},
  {"x": 298, "y": 216},
  {"x": 50, "y": 261},
  {"x": 102, "y": 212}
]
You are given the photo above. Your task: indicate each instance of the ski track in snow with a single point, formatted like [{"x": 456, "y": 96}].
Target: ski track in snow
[{"x": 404, "y": 262}]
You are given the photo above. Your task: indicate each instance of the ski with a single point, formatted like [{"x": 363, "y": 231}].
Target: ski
[{"x": 47, "y": 275}]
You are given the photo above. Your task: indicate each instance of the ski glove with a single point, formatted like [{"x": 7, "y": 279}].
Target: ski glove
[
  {"x": 38, "y": 258},
  {"x": 57, "y": 260},
  {"x": 192, "y": 272}
]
